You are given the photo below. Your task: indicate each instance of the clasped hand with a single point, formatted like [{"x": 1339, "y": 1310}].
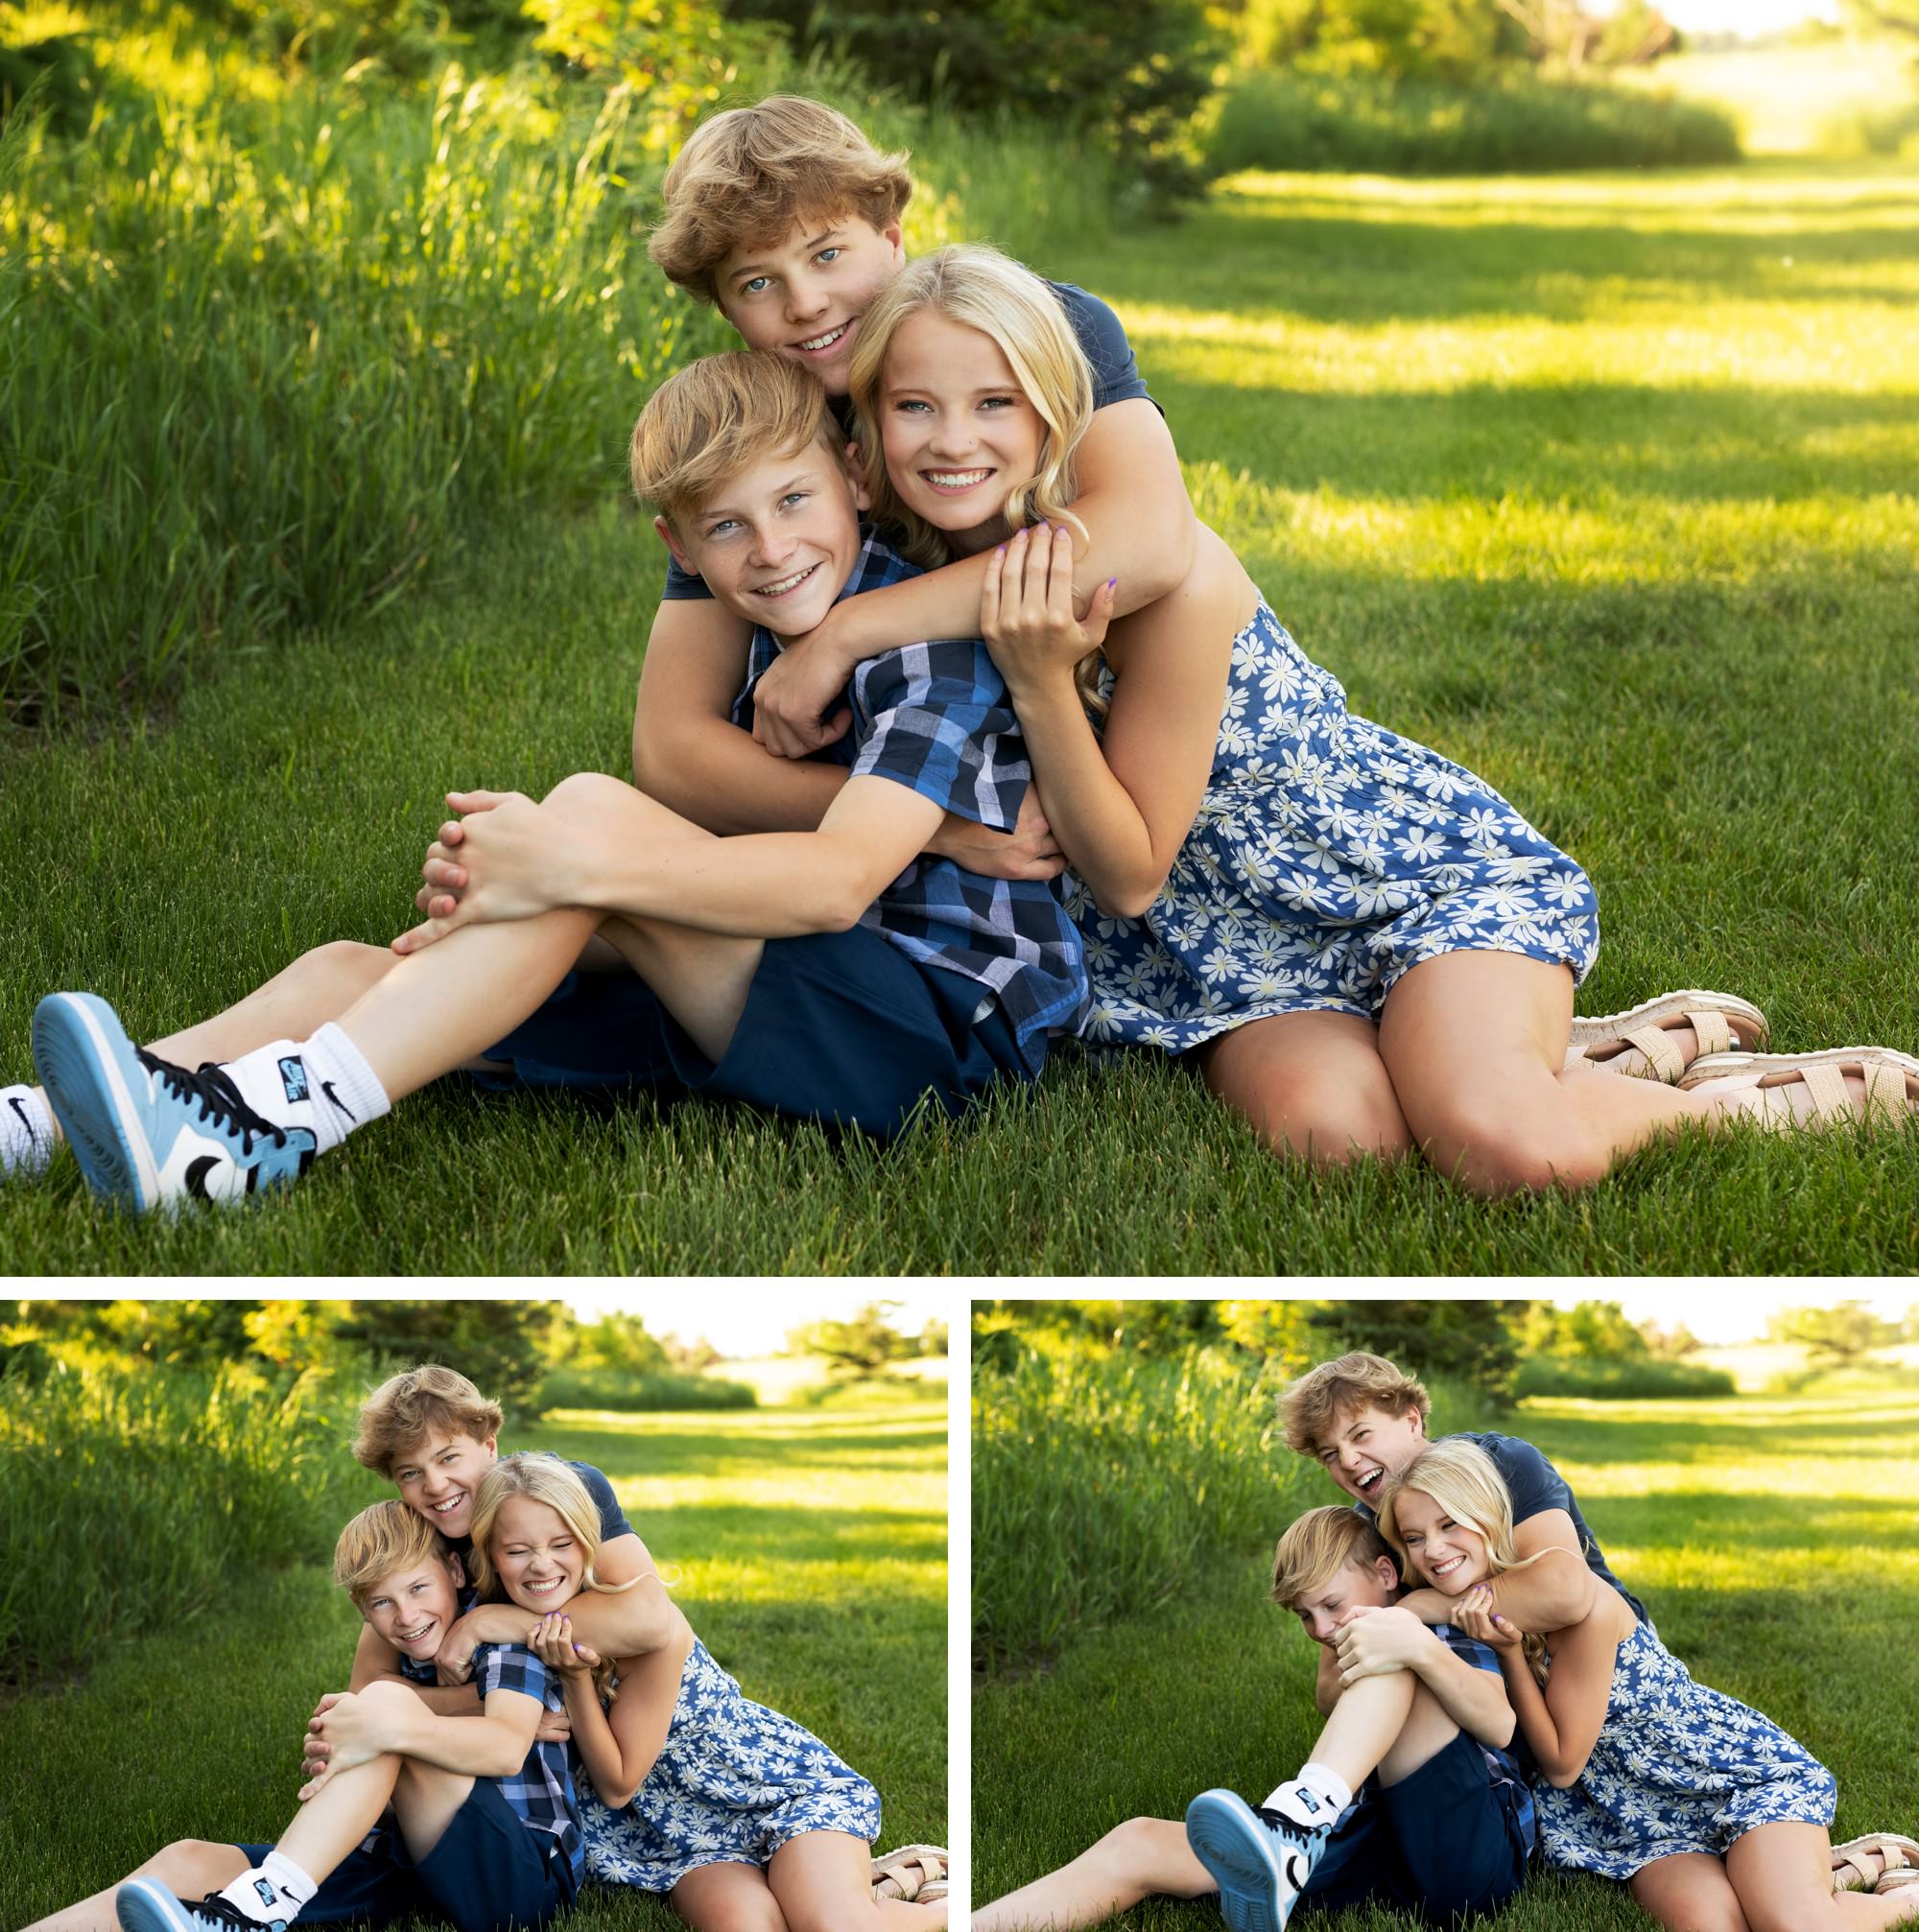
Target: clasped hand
[
  {"x": 1374, "y": 1639},
  {"x": 1474, "y": 1615},
  {"x": 493, "y": 863}
]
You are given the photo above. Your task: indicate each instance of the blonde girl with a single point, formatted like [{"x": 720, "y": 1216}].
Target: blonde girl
[
  {"x": 1714, "y": 1818},
  {"x": 743, "y": 1818},
  {"x": 1365, "y": 946}
]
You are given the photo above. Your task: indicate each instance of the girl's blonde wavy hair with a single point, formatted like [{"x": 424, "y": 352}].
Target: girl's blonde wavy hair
[
  {"x": 1465, "y": 1482},
  {"x": 541, "y": 1478},
  {"x": 979, "y": 288}
]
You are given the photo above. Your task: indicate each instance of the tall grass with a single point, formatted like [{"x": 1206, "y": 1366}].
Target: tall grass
[
  {"x": 1620, "y": 1381},
  {"x": 262, "y": 366},
  {"x": 1514, "y": 125},
  {"x": 624, "y": 1391},
  {"x": 130, "y": 1499}
]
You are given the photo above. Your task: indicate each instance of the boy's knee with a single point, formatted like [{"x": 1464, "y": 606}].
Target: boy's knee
[
  {"x": 345, "y": 967},
  {"x": 190, "y": 1867},
  {"x": 586, "y": 794}
]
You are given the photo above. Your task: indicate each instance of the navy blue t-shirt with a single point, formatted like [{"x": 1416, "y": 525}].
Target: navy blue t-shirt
[
  {"x": 1116, "y": 379},
  {"x": 1536, "y": 1486}
]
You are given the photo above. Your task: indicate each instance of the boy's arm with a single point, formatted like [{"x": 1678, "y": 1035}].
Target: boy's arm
[
  {"x": 1140, "y": 530},
  {"x": 377, "y": 1661},
  {"x": 1326, "y": 1684},
  {"x": 1376, "y": 1641},
  {"x": 1546, "y": 1595},
  {"x": 361, "y": 1725},
  {"x": 689, "y": 754}
]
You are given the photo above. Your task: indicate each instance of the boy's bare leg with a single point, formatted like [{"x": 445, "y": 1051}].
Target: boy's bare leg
[
  {"x": 1139, "y": 1859},
  {"x": 189, "y": 1868},
  {"x": 1392, "y": 1730},
  {"x": 426, "y": 1797}
]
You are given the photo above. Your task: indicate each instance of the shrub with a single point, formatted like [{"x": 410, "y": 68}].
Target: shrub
[
  {"x": 1101, "y": 1480},
  {"x": 130, "y": 1498},
  {"x": 627, "y": 1392},
  {"x": 1518, "y": 124},
  {"x": 1647, "y": 1380}
]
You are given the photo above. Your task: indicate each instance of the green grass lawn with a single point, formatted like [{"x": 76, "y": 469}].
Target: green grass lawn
[
  {"x": 810, "y": 1555},
  {"x": 1773, "y": 1541},
  {"x": 1601, "y": 485}
]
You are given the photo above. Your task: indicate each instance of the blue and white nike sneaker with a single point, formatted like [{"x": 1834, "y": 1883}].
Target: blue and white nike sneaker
[
  {"x": 143, "y": 1906},
  {"x": 1259, "y": 1858},
  {"x": 149, "y": 1134}
]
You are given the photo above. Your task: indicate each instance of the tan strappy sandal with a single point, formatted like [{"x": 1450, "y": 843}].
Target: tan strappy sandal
[
  {"x": 1600, "y": 1039},
  {"x": 916, "y": 1875},
  {"x": 1891, "y": 1082},
  {"x": 1888, "y": 1852}
]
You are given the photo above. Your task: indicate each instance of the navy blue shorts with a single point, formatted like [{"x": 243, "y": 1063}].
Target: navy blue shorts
[
  {"x": 1444, "y": 1843},
  {"x": 838, "y": 1027},
  {"x": 490, "y": 1872}
]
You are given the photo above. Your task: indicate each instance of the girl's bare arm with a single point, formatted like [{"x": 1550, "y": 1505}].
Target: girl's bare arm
[{"x": 619, "y": 1748}]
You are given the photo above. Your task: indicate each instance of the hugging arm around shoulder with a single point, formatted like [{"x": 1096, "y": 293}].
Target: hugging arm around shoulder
[
  {"x": 376, "y": 1661},
  {"x": 687, "y": 751}
]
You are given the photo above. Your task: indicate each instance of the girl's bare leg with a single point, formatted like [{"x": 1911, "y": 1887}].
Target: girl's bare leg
[
  {"x": 824, "y": 1883},
  {"x": 1474, "y": 1042},
  {"x": 1689, "y": 1892},
  {"x": 189, "y": 1868},
  {"x": 1139, "y": 1859},
  {"x": 1311, "y": 1084},
  {"x": 1783, "y": 1874},
  {"x": 727, "y": 1898}
]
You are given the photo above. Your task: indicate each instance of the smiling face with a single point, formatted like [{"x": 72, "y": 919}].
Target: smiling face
[
  {"x": 540, "y": 1561},
  {"x": 1366, "y": 1445},
  {"x": 778, "y": 542},
  {"x": 413, "y": 1609},
  {"x": 1319, "y": 1610},
  {"x": 1450, "y": 1557},
  {"x": 437, "y": 1478},
  {"x": 802, "y": 297},
  {"x": 957, "y": 430}
]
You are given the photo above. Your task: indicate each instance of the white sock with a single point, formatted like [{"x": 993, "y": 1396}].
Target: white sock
[
  {"x": 276, "y": 1888},
  {"x": 1320, "y": 1778},
  {"x": 27, "y": 1132},
  {"x": 323, "y": 1083}
]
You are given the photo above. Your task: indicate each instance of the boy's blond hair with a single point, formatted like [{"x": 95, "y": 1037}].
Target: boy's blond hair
[
  {"x": 718, "y": 416},
  {"x": 407, "y": 1408},
  {"x": 384, "y": 1539},
  {"x": 749, "y": 176},
  {"x": 1311, "y": 1407},
  {"x": 1318, "y": 1546}
]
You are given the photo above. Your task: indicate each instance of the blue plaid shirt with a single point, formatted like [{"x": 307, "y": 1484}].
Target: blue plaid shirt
[
  {"x": 1501, "y": 1765},
  {"x": 935, "y": 718},
  {"x": 541, "y": 1790}
]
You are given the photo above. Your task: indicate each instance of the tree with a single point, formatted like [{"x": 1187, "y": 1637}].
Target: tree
[
  {"x": 1471, "y": 1340},
  {"x": 500, "y": 1347},
  {"x": 855, "y": 1348},
  {"x": 1283, "y": 1333},
  {"x": 1836, "y": 1337},
  {"x": 1595, "y": 1330},
  {"x": 617, "y": 1341}
]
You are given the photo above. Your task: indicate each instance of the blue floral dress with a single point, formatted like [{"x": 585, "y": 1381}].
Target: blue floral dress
[
  {"x": 733, "y": 1782},
  {"x": 1677, "y": 1768},
  {"x": 1329, "y": 856}
]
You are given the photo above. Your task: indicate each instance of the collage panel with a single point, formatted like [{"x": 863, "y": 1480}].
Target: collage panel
[
  {"x": 1375, "y": 1615},
  {"x": 475, "y": 1613}
]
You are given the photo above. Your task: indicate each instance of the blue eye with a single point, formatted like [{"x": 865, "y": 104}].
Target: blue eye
[
  {"x": 829, "y": 255},
  {"x": 755, "y": 284}
]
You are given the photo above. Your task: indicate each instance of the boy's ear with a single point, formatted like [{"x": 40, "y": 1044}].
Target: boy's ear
[
  {"x": 1388, "y": 1573},
  {"x": 664, "y": 531},
  {"x": 891, "y": 235},
  {"x": 456, "y": 1569},
  {"x": 492, "y": 1445},
  {"x": 856, "y": 475}
]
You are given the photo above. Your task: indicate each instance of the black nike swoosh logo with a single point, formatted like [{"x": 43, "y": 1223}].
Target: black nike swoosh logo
[
  {"x": 19, "y": 1106},
  {"x": 327, "y": 1087},
  {"x": 196, "y": 1173}
]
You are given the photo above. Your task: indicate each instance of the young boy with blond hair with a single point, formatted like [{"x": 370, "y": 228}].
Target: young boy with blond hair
[
  {"x": 484, "y": 1829},
  {"x": 1410, "y": 1794},
  {"x": 831, "y": 974}
]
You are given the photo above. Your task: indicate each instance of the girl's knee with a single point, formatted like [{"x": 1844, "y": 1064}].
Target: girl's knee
[
  {"x": 1489, "y": 1148},
  {"x": 1327, "y": 1117}
]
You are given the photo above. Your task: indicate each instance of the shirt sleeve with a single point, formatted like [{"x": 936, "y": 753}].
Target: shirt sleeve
[
  {"x": 935, "y": 718},
  {"x": 1536, "y": 1486},
  {"x": 508, "y": 1666},
  {"x": 1116, "y": 375},
  {"x": 683, "y": 586},
  {"x": 1468, "y": 1649},
  {"x": 612, "y": 1517}
]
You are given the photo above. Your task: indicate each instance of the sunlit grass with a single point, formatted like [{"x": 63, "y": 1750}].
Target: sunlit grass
[{"x": 810, "y": 1558}]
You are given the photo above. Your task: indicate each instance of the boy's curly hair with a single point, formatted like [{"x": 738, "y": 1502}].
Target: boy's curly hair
[
  {"x": 382, "y": 1540},
  {"x": 407, "y": 1408},
  {"x": 749, "y": 176},
  {"x": 1311, "y": 1407},
  {"x": 1318, "y": 1545}
]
